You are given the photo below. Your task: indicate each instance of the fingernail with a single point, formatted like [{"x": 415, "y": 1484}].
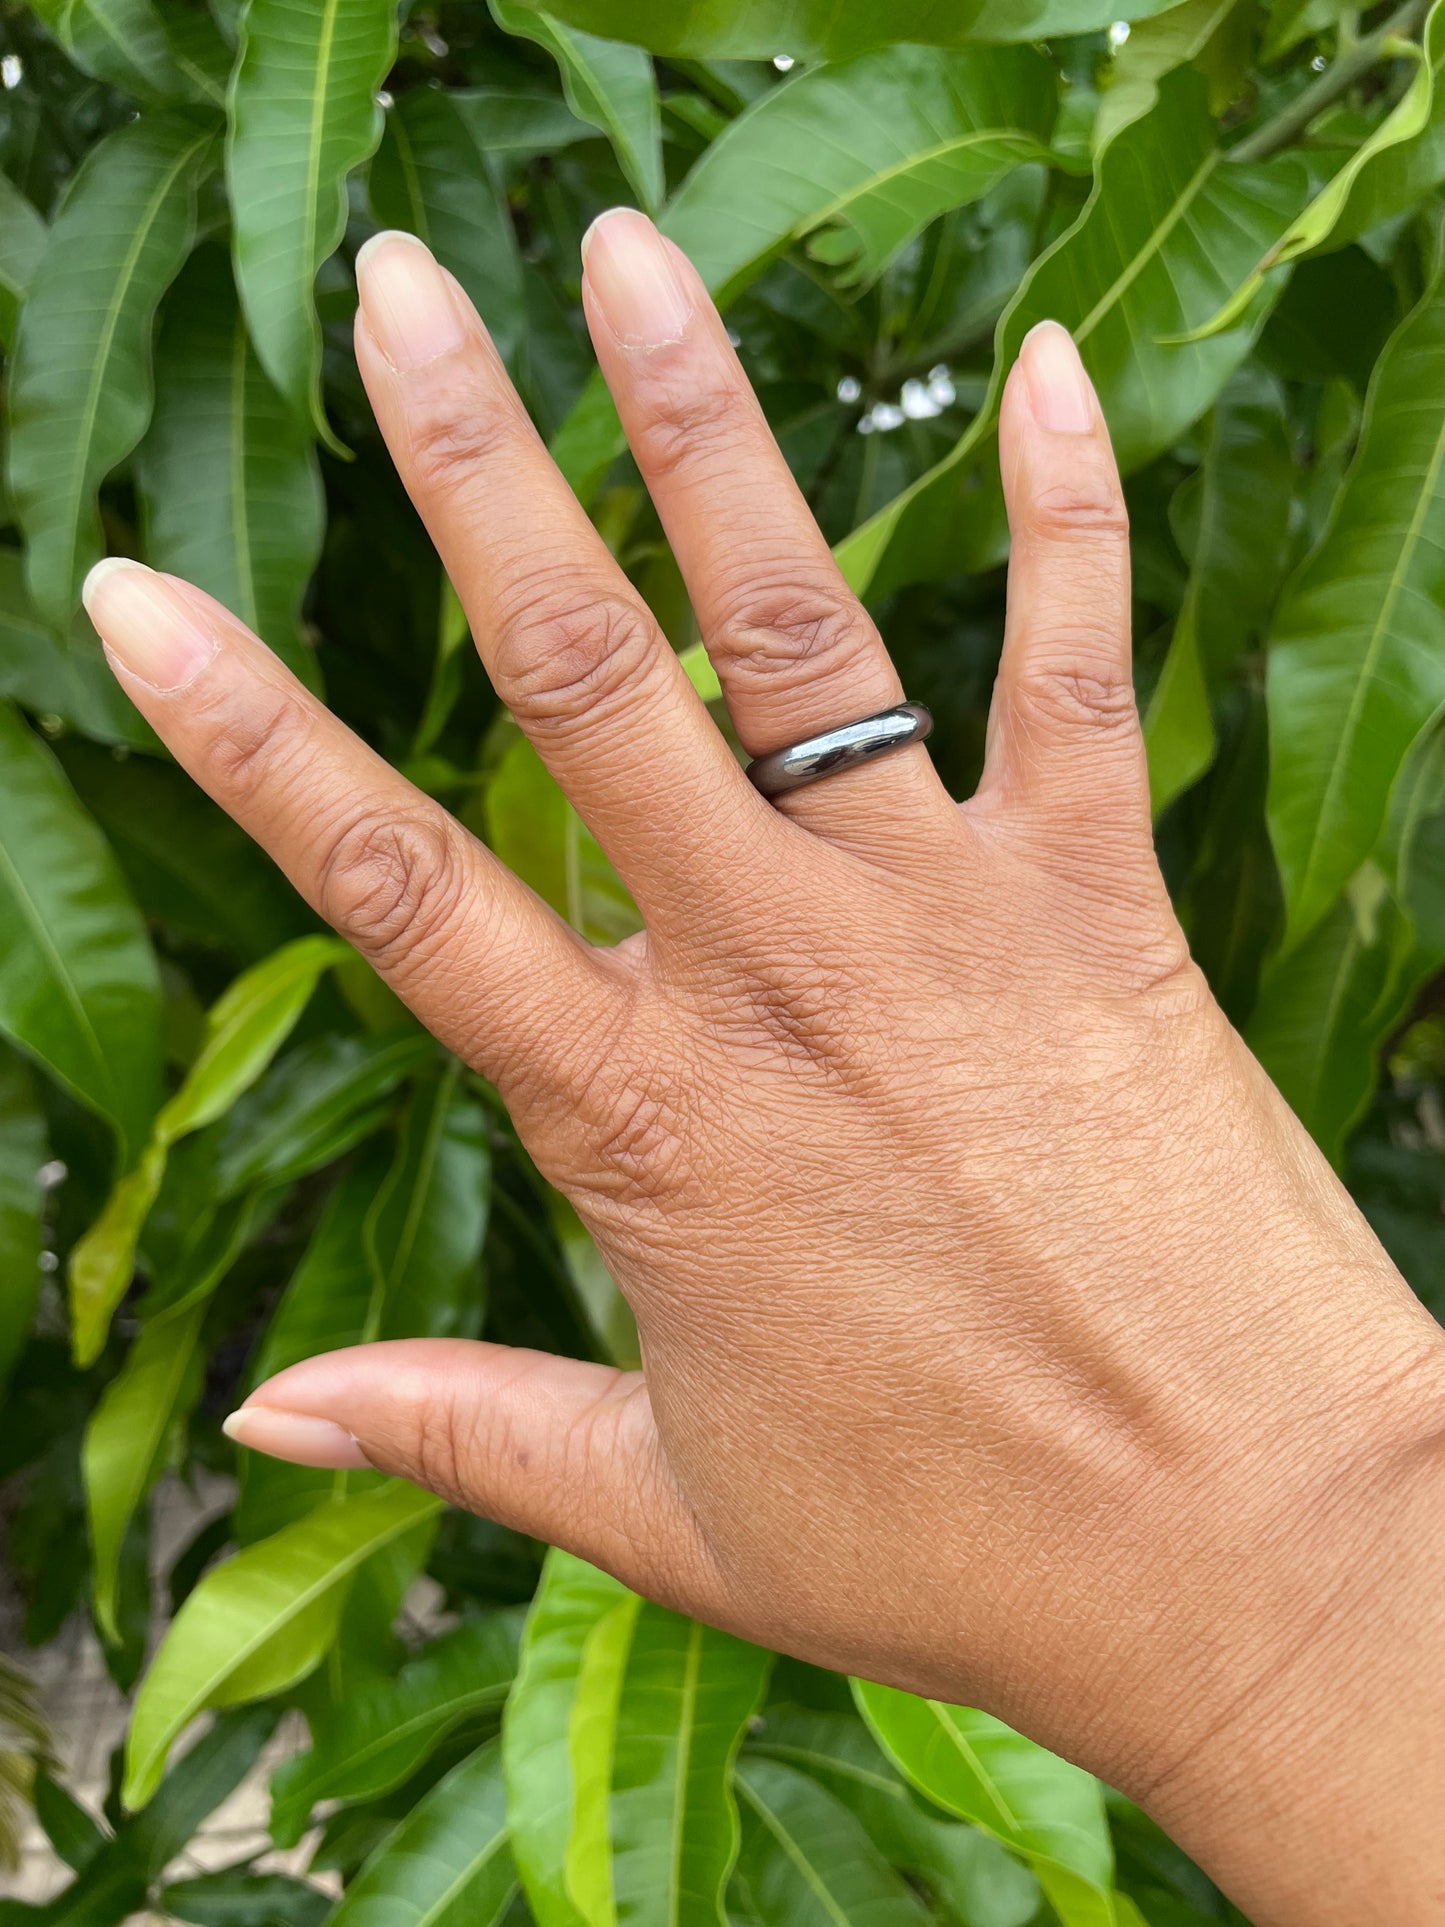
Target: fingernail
[
  {"x": 1060, "y": 393},
  {"x": 407, "y": 300},
  {"x": 297, "y": 1436},
  {"x": 147, "y": 626},
  {"x": 631, "y": 272}
]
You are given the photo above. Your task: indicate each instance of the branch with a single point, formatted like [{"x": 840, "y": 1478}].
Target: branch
[{"x": 1352, "y": 65}]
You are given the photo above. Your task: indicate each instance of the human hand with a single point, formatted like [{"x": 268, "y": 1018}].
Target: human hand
[{"x": 968, "y": 1245}]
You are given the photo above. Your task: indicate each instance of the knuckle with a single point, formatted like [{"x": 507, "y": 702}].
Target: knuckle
[
  {"x": 573, "y": 658},
  {"x": 248, "y": 749},
  {"x": 688, "y": 428},
  {"x": 776, "y": 633},
  {"x": 1083, "y": 507},
  {"x": 392, "y": 885},
  {"x": 1072, "y": 698},
  {"x": 452, "y": 438}
]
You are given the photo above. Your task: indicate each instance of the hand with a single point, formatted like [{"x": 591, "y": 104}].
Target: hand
[{"x": 1005, "y": 1338}]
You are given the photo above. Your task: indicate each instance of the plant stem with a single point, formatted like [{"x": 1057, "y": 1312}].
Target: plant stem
[{"x": 1287, "y": 127}]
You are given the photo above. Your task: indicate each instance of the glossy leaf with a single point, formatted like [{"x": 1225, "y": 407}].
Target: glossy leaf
[
  {"x": 1357, "y": 653},
  {"x": 448, "y": 1864},
  {"x": 609, "y": 85},
  {"x": 79, "y": 991},
  {"x": 1166, "y": 234},
  {"x": 1155, "y": 47},
  {"x": 835, "y": 29},
  {"x": 227, "y": 473},
  {"x": 260, "y": 1622},
  {"x": 430, "y": 177},
  {"x": 860, "y": 157},
  {"x": 80, "y": 385},
  {"x": 126, "y": 43},
  {"x": 383, "y": 1732},
  {"x": 22, "y": 242},
  {"x": 806, "y": 1862},
  {"x": 22, "y": 1153},
  {"x": 1048, "y": 1812},
  {"x": 303, "y": 114}
]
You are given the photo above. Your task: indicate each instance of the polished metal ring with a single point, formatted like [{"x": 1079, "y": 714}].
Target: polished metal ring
[{"x": 839, "y": 749}]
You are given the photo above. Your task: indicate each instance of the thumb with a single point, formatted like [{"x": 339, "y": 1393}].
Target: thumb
[{"x": 561, "y": 1450}]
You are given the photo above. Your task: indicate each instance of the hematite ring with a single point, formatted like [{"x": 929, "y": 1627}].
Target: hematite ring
[{"x": 839, "y": 749}]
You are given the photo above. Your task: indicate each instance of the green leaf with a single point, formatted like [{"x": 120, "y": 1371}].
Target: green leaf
[
  {"x": 806, "y": 1862},
  {"x": 79, "y": 990},
  {"x": 1357, "y": 656},
  {"x": 836, "y": 29},
  {"x": 72, "y": 1829},
  {"x": 613, "y": 87},
  {"x": 245, "y": 1028},
  {"x": 303, "y": 114},
  {"x": 127, "y": 1438},
  {"x": 261, "y": 1621},
  {"x": 1167, "y": 232},
  {"x": 1155, "y": 48},
  {"x": 67, "y": 679},
  {"x": 80, "y": 386},
  {"x": 239, "y": 1897},
  {"x": 383, "y": 1732},
  {"x": 22, "y": 1201},
  {"x": 22, "y": 242},
  {"x": 860, "y": 157},
  {"x": 125, "y": 42},
  {"x": 448, "y": 1864},
  {"x": 1238, "y": 506},
  {"x": 431, "y": 178},
  {"x": 536, "y": 832},
  {"x": 1048, "y": 1812},
  {"x": 513, "y": 122},
  {"x": 227, "y": 474}
]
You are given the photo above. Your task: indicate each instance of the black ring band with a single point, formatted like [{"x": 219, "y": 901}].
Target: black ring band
[{"x": 839, "y": 749}]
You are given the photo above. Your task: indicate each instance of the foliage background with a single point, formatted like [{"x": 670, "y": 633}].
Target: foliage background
[{"x": 223, "y": 1145}]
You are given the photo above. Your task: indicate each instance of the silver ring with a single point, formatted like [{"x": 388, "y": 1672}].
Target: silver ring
[{"x": 839, "y": 749}]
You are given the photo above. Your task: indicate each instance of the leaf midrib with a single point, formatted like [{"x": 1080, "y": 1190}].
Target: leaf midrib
[
  {"x": 909, "y": 165},
  {"x": 69, "y": 988},
  {"x": 812, "y": 1879},
  {"x": 1142, "y": 256},
  {"x": 682, "y": 1766}
]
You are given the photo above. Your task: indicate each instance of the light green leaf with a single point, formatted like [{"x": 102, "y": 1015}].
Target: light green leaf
[
  {"x": 22, "y": 1152},
  {"x": 1178, "y": 728},
  {"x": 127, "y": 1438},
  {"x": 1155, "y": 48},
  {"x": 861, "y": 157},
  {"x": 1048, "y": 1812},
  {"x": 536, "y": 832},
  {"x": 80, "y": 386},
  {"x": 261, "y": 1621},
  {"x": 1356, "y": 662},
  {"x": 69, "y": 679},
  {"x": 303, "y": 114},
  {"x": 22, "y": 242},
  {"x": 431, "y": 178},
  {"x": 611, "y": 86},
  {"x": 836, "y": 29},
  {"x": 383, "y": 1731},
  {"x": 125, "y": 42},
  {"x": 448, "y": 1864},
  {"x": 806, "y": 1862},
  {"x": 1165, "y": 235},
  {"x": 228, "y": 476},
  {"x": 79, "y": 989}
]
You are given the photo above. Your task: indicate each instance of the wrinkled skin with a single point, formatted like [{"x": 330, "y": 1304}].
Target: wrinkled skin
[{"x": 1005, "y": 1338}]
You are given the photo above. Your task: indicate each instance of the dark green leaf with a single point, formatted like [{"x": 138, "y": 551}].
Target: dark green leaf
[
  {"x": 126, "y": 43},
  {"x": 76, "y": 1835},
  {"x": 22, "y": 1152},
  {"x": 22, "y": 242},
  {"x": 67, "y": 678},
  {"x": 237, "y": 1897}
]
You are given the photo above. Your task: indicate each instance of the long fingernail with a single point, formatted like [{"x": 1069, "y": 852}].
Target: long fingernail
[
  {"x": 297, "y": 1436},
  {"x": 631, "y": 271},
  {"x": 407, "y": 301},
  {"x": 147, "y": 626},
  {"x": 1060, "y": 392}
]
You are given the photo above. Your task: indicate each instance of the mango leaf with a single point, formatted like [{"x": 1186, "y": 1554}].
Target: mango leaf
[
  {"x": 1237, "y": 507},
  {"x": 966, "y": 1872},
  {"x": 1155, "y": 48},
  {"x": 80, "y": 384},
  {"x": 61, "y": 679},
  {"x": 79, "y": 989},
  {"x": 861, "y": 157},
  {"x": 240, "y": 1897},
  {"x": 1356, "y": 661},
  {"x": 22, "y": 1152},
  {"x": 835, "y": 29},
  {"x": 126, "y": 43},
  {"x": 613, "y": 87},
  {"x": 1166, "y": 233},
  {"x": 227, "y": 474},
  {"x": 382, "y": 1733},
  {"x": 536, "y": 832},
  {"x": 430, "y": 176},
  {"x": 245, "y": 1028},
  {"x": 513, "y": 122},
  {"x": 1398, "y": 163},
  {"x": 806, "y": 1862},
  {"x": 448, "y": 1864},
  {"x": 261, "y": 1621},
  {"x": 22, "y": 242},
  {"x": 303, "y": 114},
  {"x": 1291, "y": 21},
  {"x": 127, "y": 1438},
  {"x": 1048, "y": 1812}
]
